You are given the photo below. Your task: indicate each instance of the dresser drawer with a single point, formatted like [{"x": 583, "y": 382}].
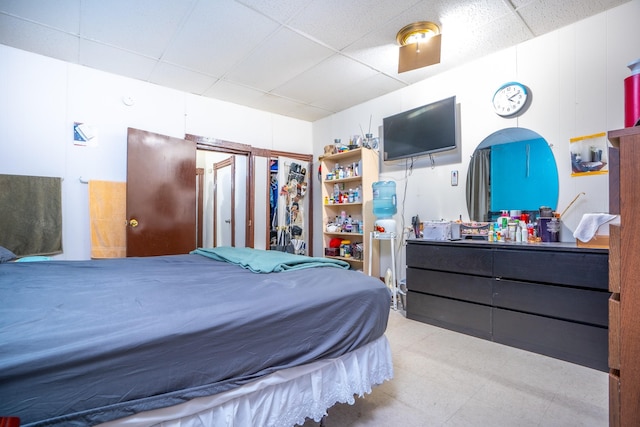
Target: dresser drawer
[
  {"x": 456, "y": 259},
  {"x": 584, "y": 269},
  {"x": 451, "y": 285},
  {"x": 469, "y": 318},
  {"x": 574, "y": 342},
  {"x": 580, "y": 305}
]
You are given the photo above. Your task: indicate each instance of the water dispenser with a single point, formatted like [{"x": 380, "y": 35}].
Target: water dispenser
[{"x": 384, "y": 206}]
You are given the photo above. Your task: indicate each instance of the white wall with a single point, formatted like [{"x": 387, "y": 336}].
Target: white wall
[
  {"x": 576, "y": 76},
  {"x": 41, "y": 98}
]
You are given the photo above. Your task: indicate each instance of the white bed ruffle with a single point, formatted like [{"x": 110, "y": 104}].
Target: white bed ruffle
[{"x": 284, "y": 398}]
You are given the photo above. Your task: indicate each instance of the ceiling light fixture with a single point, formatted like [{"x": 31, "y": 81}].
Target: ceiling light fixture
[{"x": 419, "y": 45}]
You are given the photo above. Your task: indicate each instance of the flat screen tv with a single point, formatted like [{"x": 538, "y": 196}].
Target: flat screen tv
[{"x": 423, "y": 130}]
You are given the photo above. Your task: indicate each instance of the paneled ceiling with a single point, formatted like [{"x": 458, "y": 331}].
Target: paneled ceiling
[{"x": 300, "y": 58}]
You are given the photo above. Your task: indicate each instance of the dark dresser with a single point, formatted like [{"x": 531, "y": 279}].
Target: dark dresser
[{"x": 548, "y": 298}]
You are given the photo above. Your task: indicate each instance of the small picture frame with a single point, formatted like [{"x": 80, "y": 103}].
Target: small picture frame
[{"x": 454, "y": 177}]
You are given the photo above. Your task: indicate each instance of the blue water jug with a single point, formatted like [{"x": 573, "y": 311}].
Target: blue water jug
[{"x": 384, "y": 199}]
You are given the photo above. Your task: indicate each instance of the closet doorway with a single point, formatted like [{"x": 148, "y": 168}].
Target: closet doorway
[
  {"x": 290, "y": 203},
  {"x": 240, "y": 158},
  {"x": 256, "y": 186},
  {"x": 224, "y": 198}
]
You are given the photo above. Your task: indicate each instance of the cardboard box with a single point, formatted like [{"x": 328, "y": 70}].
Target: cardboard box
[
  {"x": 598, "y": 241},
  {"x": 601, "y": 238}
]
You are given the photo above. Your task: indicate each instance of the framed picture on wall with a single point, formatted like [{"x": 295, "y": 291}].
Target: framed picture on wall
[{"x": 589, "y": 155}]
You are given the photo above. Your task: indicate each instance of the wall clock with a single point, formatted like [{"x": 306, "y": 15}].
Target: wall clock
[{"x": 511, "y": 99}]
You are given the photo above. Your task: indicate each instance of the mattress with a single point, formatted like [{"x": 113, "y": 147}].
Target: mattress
[{"x": 85, "y": 342}]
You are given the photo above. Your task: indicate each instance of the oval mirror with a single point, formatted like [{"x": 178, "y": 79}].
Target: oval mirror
[{"x": 511, "y": 169}]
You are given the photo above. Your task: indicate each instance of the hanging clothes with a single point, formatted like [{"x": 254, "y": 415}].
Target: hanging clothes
[{"x": 292, "y": 205}]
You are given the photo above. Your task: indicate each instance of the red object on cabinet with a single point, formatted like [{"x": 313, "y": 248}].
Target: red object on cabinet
[
  {"x": 632, "y": 101},
  {"x": 632, "y": 96}
]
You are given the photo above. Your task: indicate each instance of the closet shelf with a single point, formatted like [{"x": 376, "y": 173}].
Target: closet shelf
[{"x": 342, "y": 233}]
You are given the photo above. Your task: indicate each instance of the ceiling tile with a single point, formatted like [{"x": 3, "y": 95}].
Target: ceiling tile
[
  {"x": 519, "y": 3},
  {"x": 355, "y": 19},
  {"x": 543, "y": 16},
  {"x": 419, "y": 74},
  {"x": 142, "y": 26},
  {"x": 233, "y": 92},
  {"x": 60, "y": 14},
  {"x": 280, "y": 105},
  {"x": 309, "y": 113},
  {"x": 378, "y": 52},
  {"x": 182, "y": 79},
  {"x": 215, "y": 37},
  {"x": 331, "y": 75},
  {"x": 378, "y": 84},
  {"x": 468, "y": 43},
  {"x": 281, "y": 57},
  {"x": 458, "y": 14},
  {"x": 38, "y": 39},
  {"x": 114, "y": 60},
  {"x": 279, "y": 11}
]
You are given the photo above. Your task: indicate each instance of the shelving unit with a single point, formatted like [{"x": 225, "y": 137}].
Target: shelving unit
[{"x": 362, "y": 166}]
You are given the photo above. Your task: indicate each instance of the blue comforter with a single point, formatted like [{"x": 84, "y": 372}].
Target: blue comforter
[{"x": 83, "y": 342}]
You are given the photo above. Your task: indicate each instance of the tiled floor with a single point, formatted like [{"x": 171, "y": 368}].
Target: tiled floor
[{"x": 443, "y": 378}]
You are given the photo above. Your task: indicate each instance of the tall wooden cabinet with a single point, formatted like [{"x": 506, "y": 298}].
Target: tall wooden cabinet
[
  {"x": 624, "y": 279},
  {"x": 347, "y": 194}
]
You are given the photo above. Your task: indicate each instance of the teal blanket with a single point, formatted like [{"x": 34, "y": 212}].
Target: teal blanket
[{"x": 263, "y": 261}]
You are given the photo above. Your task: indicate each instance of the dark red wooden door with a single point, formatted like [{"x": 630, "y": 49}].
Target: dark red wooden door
[{"x": 161, "y": 194}]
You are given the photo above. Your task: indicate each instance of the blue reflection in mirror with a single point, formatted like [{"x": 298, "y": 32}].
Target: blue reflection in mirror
[{"x": 522, "y": 174}]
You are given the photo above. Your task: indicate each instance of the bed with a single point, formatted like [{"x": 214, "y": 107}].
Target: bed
[{"x": 188, "y": 340}]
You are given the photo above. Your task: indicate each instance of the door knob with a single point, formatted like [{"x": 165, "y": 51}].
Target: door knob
[
  {"x": 228, "y": 221},
  {"x": 133, "y": 222}
]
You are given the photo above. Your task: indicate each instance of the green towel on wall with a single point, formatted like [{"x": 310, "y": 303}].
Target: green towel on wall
[
  {"x": 262, "y": 261},
  {"x": 31, "y": 214}
]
